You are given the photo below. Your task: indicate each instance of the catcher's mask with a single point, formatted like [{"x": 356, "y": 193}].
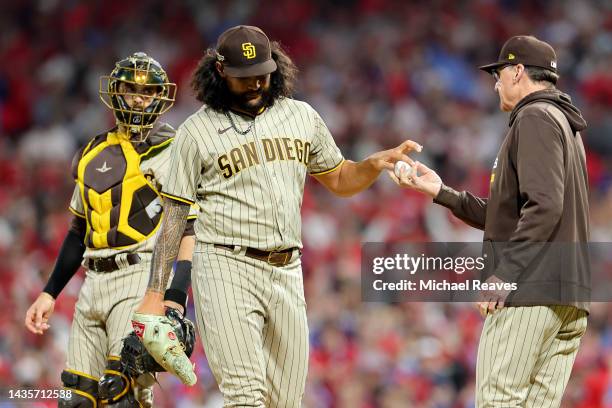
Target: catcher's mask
[{"x": 143, "y": 71}]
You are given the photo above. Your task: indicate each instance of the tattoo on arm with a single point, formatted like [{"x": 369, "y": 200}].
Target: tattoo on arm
[{"x": 167, "y": 244}]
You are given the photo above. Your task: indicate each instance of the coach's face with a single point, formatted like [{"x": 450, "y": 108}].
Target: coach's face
[{"x": 507, "y": 85}]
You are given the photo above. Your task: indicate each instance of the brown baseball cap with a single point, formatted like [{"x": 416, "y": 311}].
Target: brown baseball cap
[
  {"x": 245, "y": 51},
  {"x": 526, "y": 50}
]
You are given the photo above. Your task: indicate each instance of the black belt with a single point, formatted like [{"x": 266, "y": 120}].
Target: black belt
[
  {"x": 110, "y": 264},
  {"x": 274, "y": 258}
]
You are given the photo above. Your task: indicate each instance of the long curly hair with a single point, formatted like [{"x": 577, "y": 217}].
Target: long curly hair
[{"x": 212, "y": 90}]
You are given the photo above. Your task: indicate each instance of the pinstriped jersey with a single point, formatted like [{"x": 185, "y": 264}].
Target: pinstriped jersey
[
  {"x": 154, "y": 167},
  {"x": 247, "y": 175}
]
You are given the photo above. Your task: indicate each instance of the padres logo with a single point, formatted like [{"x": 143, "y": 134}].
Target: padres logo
[{"x": 249, "y": 50}]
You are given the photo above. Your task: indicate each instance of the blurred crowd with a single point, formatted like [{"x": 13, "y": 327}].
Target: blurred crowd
[{"x": 378, "y": 71}]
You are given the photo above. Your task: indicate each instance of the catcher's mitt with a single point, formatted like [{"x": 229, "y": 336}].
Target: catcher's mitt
[{"x": 137, "y": 360}]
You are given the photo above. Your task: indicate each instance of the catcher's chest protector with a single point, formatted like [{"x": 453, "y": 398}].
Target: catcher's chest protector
[{"x": 121, "y": 206}]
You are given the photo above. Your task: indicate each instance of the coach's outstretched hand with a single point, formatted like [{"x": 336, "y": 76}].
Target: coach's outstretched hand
[
  {"x": 422, "y": 179},
  {"x": 157, "y": 334}
]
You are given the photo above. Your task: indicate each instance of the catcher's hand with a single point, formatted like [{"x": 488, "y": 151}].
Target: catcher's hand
[
  {"x": 159, "y": 337},
  {"x": 37, "y": 317}
]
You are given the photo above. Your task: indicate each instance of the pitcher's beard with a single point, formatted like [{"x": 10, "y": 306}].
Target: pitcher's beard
[{"x": 246, "y": 103}]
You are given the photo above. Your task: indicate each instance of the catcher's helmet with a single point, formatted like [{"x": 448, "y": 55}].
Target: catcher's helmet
[{"x": 137, "y": 69}]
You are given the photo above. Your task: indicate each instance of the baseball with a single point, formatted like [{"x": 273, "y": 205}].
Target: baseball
[{"x": 403, "y": 165}]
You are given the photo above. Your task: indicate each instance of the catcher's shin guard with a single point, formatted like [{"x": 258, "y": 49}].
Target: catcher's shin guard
[
  {"x": 116, "y": 387},
  {"x": 84, "y": 390}
]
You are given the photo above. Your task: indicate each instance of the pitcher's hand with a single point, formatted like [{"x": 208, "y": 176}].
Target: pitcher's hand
[
  {"x": 386, "y": 159},
  {"x": 158, "y": 336}
]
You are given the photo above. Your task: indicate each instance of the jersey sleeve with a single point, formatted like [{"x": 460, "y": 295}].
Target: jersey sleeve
[
  {"x": 325, "y": 156},
  {"x": 76, "y": 203},
  {"x": 184, "y": 169}
]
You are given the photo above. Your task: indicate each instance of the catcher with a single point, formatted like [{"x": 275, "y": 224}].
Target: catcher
[{"x": 117, "y": 212}]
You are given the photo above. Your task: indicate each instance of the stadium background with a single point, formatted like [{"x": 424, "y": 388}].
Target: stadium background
[{"x": 378, "y": 71}]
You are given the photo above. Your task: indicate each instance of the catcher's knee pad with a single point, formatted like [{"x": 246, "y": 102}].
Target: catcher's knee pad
[
  {"x": 116, "y": 388},
  {"x": 83, "y": 390}
]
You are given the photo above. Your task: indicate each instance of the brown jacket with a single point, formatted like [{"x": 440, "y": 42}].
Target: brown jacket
[{"x": 536, "y": 219}]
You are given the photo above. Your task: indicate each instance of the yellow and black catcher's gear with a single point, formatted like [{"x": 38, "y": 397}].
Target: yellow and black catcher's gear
[
  {"x": 137, "y": 69},
  {"x": 116, "y": 387},
  {"x": 121, "y": 205},
  {"x": 84, "y": 390}
]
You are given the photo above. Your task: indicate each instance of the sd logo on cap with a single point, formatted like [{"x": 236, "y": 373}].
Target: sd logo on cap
[{"x": 245, "y": 51}]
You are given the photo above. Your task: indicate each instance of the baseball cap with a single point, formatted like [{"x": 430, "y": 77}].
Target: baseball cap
[
  {"x": 245, "y": 51},
  {"x": 526, "y": 50}
]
